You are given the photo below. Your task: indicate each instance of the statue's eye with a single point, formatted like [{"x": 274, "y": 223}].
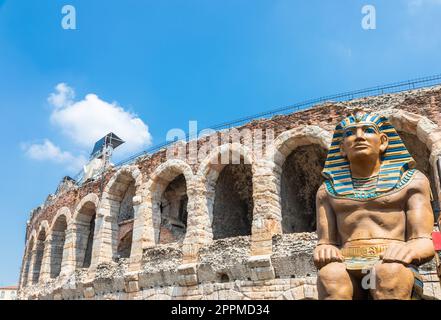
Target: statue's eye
[
  {"x": 348, "y": 133},
  {"x": 370, "y": 130}
]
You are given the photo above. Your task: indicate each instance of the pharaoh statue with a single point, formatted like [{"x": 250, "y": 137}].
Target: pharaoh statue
[{"x": 374, "y": 217}]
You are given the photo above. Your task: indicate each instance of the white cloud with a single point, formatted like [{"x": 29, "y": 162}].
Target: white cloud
[
  {"x": 63, "y": 97},
  {"x": 84, "y": 122},
  {"x": 88, "y": 120},
  {"x": 47, "y": 151}
]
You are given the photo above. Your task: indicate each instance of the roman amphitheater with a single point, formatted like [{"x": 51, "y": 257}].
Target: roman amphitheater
[{"x": 170, "y": 227}]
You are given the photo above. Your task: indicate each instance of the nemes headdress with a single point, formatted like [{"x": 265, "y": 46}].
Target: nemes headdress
[{"x": 396, "y": 162}]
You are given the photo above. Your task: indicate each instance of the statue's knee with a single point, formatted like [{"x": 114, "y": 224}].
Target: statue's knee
[
  {"x": 333, "y": 271},
  {"x": 393, "y": 281},
  {"x": 334, "y": 282},
  {"x": 390, "y": 271}
]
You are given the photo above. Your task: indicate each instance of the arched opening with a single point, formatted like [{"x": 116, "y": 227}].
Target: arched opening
[
  {"x": 173, "y": 208},
  {"x": 58, "y": 236},
  {"x": 122, "y": 212},
  {"x": 85, "y": 228},
  {"x": 301, "y": 177},
  {"x": 233, "y": 201},
  {"x": 39, "y": 251},
  {"x": 223, "y": 278},
  {"x": 421, "y": 154}
]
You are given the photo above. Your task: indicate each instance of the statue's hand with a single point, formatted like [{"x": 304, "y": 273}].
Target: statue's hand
[
  {"x": 398, "y": 252},
  {"x": 325, "y": 254}
]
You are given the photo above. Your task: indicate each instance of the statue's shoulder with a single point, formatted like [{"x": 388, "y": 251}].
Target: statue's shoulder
[
  {"x": 419, "y": 182},
  {"x": 419, "y": 175},
  {"x": 322, "y": 194}
]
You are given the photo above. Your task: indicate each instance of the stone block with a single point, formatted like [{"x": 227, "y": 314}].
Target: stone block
[
  {"x": 147, "y": 280},
  {"x": 187, "y": 269},
  {"x": 89, "y": 292},
  {"x": 58, "y": 296},
  {"x": 264, "y": 273},
  {"x": 188, "y": 280},
  {"x": 259, "y": 261},
  {"x": 132, "y": 286}
]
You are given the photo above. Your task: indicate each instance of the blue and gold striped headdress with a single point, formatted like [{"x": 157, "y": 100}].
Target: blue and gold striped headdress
[{"x": 396, "y": 162}]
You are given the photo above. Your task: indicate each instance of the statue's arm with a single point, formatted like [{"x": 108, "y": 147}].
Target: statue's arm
[
  {"x": 419, "y": 220},
  {"x": 326, "y": 221},
  {"x": 327, "y": 247}
]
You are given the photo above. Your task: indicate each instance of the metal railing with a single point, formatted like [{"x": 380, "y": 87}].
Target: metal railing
[{"x": 341, "y": 97}]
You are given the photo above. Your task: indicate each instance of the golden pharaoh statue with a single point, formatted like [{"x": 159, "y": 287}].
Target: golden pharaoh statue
[{"x": 374, "y": 218}]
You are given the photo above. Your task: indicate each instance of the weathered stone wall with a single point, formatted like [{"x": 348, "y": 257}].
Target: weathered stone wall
[{"x": 238, "y": 240}]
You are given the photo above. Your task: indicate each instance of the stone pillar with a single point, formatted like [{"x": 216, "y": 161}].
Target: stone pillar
[
  {"x": 32, "y": 258},
  {"x": 106, "y": 231},
  {"x": 140, "y": 237},
  {"x": 144, "y": 234},
  {"x": 98, "y": 238},
  {"x": 45, "y": 270},
  {"x": 267, "y": 215},
  {"x": 68, "y": 263},
  {"x": 199, "y": 231},
  {"x": 25, "y": 268},
  {"x": 155, "y": 215}
]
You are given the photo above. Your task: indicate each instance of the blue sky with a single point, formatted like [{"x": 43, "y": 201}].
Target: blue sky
[{"x": 155, "y": 65}]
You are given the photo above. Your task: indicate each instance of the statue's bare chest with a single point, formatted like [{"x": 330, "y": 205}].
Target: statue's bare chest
[{"x": 388, "y": 203}]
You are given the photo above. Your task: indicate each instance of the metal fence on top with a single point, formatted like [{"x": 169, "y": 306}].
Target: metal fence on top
[{"x": 341, "y": 97}]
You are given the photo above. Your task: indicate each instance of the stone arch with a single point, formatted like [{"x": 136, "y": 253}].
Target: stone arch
[
  {"x": 57, "y": 242},
  {"x": 90, "y": 198},
  {"x": 118, "y": 211},
  {"x": 39, "y": 250},
  {"x": 83, "y": 225},
  {"x": 227, "y": 176},
  {"x": 32, "y": 235},
  {"x": 169, "y": 199},
  {"x": 31, "y": 240},
  {"x": 299, "y": 155},
  {"x": 63, "y": 211},
  {"x": 422, "y": 138},
  {"x": 44, "y": 225}
]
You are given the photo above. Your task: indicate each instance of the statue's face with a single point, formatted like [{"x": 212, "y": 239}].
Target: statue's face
[{"x": 363, "y": 141}]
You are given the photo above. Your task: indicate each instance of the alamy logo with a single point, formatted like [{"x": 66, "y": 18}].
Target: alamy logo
[
  {"x": 195, "y": 147},
  {"x": 369, "y": 21},
  {"x": 369, "y": 280},
  {"x": 69, "y": 21}
]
